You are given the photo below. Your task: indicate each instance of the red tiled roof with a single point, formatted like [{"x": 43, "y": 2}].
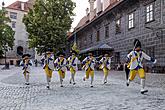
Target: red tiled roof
[
  {"x": 83, "y": 21},
  {"x": 17, "y": 6},
  {"x": 113, "y": 4},
  {"x": 69, "y": 33}
]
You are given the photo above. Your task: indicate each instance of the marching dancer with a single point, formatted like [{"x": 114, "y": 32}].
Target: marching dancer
[
  {"x": 72, "y": 62},
  {"x": 136, "y": 57},
  {"x": 89, "y": 63},
  {"x": 105, "y": 66},
  {"x": 26, "y": 63},
  {"x": 60, "y": 64},
  {"x": 48, "y": 60}
]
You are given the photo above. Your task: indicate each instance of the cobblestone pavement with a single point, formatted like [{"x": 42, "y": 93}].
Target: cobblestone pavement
[{"x": 14, "y": 95}]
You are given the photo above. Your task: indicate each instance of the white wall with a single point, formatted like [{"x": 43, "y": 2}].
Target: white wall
[{"x": 21, "y": 36}]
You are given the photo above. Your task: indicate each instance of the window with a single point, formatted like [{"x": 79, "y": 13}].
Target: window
[
  {"x": 118, "y": 26},
  {"x": 85, "y": 40},
  {"x": 91, "y": 38},
  {"x": 13, "y": 15},
  {"x": 106, "y": 31},
  {"x": 13, "y": 24},
  {"x": 80, "y": 43},
  {"x": 98, "y": 36},
  {"x": 131, "y": 20},
  {"x": 149, "y": 13}
]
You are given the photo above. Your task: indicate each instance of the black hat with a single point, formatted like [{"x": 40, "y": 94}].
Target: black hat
[
  {"x": 73, "y": 51},
  {"x": 90, "y": 52},
  {"x": 60, "y": 53},
  {"x": 26, "y": 55},
  {"x": 137, "y": 43},
  {"x": 49, "y": 50},
  {"x": 106, "y": 52}
]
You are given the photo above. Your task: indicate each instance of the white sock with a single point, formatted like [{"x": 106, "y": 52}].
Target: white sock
[{"x": 142, "y": 84}]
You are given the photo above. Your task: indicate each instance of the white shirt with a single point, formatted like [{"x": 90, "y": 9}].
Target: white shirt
[
  {"x": 73, "y": 63},
  {"x": 89, "y": 64},
  {"x": 60, "y": 65},
  {"x": 106, "y": 62},
  {"x": 137, "y": 62},
  {"x": 49, "y": 61},
  {"x": 28, "y": 66}
]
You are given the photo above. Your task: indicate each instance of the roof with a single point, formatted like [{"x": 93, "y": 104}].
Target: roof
[
  {"x": 84, "y": 24},
  {"x": 17, "y": 6},
  {"x": 97, "y": 47},
  {"x": 84, "y": 20}
]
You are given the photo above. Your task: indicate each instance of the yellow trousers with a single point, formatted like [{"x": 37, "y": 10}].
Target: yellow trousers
[
  {"x": 61, "y": 74},
  {"x": 106, "y": 71},
  {"x": 24, "y": 73},
  {"x": 134, "y": 72},
  {"x": 48, "y": 72},
  {"x": 72, "y": 70},
  {"x": 90, "y": 72}
]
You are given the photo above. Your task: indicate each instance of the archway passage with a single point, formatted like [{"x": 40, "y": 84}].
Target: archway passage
[{"x": 20, "y": 50}]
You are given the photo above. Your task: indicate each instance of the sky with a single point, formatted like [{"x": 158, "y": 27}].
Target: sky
[{"x": 80, "y": 12}]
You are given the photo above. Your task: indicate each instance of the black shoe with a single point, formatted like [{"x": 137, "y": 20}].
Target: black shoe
[
  {"x": 105, "y": 82},
  {"x": 91, "y": 86},
  {"x": 84, "y": 79},
  {"x": 26, "y": 83},
  {"x": 48, "y": 87},
  {"x": 61, "y": 86},
  {"x": 70, "y": 82},
  {"x": 144, "y": 91},
  {"x": 74, "y": 83},
  {"x": 127, "y": 84}
]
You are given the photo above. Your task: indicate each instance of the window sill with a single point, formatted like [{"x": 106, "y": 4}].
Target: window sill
[
  {"x": 149, "y": 21},
  {"x": 118, "y": 33},
  {"x": 129, "y": 29}
]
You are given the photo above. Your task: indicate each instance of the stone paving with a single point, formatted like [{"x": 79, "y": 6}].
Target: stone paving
[{"x": 14, "y": 95}]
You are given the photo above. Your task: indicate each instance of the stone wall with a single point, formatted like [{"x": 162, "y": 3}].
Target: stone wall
[{"x": 123, "y": 42}]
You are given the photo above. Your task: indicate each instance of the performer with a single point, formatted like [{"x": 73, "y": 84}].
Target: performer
[
  {"x": 48, "y": 66},
  {"x": 136, "y": 57},
  {"x": 72, "y": 62},
  {"x": 26, "y": 63},
  {"x": 89, "y": 63},
  {"x": 60, "y": 64},
  {"x": 105, "y": 65}
]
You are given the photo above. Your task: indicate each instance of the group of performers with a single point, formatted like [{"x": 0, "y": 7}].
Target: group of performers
[{"x": 133, "y": 66}]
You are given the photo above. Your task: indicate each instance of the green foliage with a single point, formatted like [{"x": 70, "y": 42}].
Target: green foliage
[
  {"x": 6, "y": 33},
  {"x": 48, "y": 23}
]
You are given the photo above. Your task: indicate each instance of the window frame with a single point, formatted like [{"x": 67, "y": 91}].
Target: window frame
[
  {"x": 106, "y": 31},
  {"x": 13, "y": 15},
  {"x": 149, "y": 11},
  {"x": 91, "y": 38},
  {"x": 13, "y": 24},
  {"x": 118, "y": 25},
  {"x": 131, "y": 20},
  {"x": 98, "y": 35}
]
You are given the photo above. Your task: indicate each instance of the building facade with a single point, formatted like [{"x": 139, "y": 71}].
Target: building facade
[
  {"x": 16, "y": 12},
  {"x": 118, "y": 22}
]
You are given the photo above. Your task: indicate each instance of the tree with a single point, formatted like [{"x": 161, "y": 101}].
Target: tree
[
  {"x": 48, "y": 23},
  {"x": 6, "y": 33}
]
